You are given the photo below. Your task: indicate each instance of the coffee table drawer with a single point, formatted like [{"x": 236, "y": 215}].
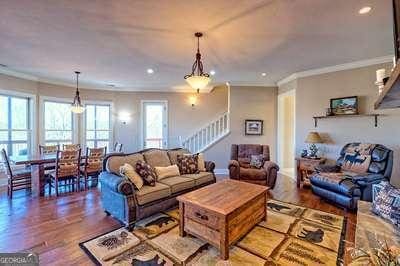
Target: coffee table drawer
[
  {"x": 206, "y": 233},
  {"x": 202, "y": 216}
]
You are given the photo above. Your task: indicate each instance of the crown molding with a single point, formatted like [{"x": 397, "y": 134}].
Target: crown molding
[
  {"x": 329, "y": 69},
  {"x": 252, "y": 84},
  {"x": 13, "y": 73},
  {"x": 187, "y": 89}
]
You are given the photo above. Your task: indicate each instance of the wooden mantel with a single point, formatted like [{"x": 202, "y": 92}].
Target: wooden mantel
[{"x": 390, "y": 96}]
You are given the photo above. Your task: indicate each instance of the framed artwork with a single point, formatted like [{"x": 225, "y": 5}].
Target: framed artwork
[
  {"x": 253, "y": 127},
  {"x": 345, "y": 105}
]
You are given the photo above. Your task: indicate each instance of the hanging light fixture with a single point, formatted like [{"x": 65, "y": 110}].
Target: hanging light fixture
[
  {"x": 198, "y": 79},
  {"x": 76, "y": 106}
]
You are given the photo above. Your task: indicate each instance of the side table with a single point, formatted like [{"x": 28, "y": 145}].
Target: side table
[{"x": 306, "y": 166}]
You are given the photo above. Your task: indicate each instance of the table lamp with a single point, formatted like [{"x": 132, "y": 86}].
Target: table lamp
[{"x": 313, "y": 138}]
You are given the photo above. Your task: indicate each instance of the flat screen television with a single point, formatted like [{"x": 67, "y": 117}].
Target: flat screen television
[{"x": 396, "y": 27}]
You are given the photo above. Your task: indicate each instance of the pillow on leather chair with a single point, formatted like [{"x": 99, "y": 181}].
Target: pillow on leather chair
[{"x": 257, "y": 161}]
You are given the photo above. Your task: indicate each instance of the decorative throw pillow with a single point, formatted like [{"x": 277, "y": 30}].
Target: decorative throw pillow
[
  {"x": 201, "y": 164},
  {"x": 168, "y": 171},
  {"x": 128, "y": 171},
  {"x": 146, "y": 172},
  {"x": 356, "y": 162},
  {"x": 188, "y": 164},
  {"x": 257, "y": 161},
  {"x": 387, "y": 204}
]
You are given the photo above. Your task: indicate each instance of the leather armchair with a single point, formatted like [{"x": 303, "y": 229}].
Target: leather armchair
[
  {"x": 353, "y": 186},
  {"x": 239, "y": 165}
]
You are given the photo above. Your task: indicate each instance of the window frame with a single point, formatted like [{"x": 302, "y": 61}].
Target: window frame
[
  {"x": 42, "y": 133},
  {"x": 31, "y": 121},
  {"x": 111, "y": 123}
]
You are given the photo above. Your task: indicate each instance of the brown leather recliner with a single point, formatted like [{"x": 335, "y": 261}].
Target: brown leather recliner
[{"x": 240, "y": 169}]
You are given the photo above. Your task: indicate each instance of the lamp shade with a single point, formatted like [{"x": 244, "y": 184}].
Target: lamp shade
[
  {"x": 198, "y": 82},
  {"x": 313, "y": 137}
]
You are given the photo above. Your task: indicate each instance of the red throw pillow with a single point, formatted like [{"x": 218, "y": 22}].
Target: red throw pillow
[
  {"x": 146, "y": 172},
  {"x": 188, "y": 164}
]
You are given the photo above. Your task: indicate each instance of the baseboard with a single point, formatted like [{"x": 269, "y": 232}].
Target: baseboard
[{"x": 222, "y": 171}]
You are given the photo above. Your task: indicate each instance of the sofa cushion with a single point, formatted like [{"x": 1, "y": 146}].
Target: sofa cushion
[
  {"x": 157, "y": 158},
  {"x": 336, "y": 182},
  {"x": 130, "y": 173},
  {"x": 173, "y": 155},
  {"x": 146, "y": 172},
  {"x": 188, "y": 164},
  {"x": 178, "y": 183},
  {"x": 148, "y": 193},
  {"x": 252, "y": 174},
  {"x": 201, "y": 178},
  {"x": 115, "y": 162},
  {"x": 168, "y": 171}
]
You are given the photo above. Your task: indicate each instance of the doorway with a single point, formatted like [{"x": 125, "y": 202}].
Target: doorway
[
  {"x": 286, "y": 132},
  {"x": 154, "y": 124}
]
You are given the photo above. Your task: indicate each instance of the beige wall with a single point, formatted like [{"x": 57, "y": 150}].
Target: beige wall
[
  {"x": 313, "y": 95},
  {"x": 247, "y": 103},
  {"x": 183, "y": 119}
]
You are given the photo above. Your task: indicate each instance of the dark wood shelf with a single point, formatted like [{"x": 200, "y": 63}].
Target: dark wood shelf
[
  {"x": 390, "y": 96},
  {"x": 316, "y": 118}
]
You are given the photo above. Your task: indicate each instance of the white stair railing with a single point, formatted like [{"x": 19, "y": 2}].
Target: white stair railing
[{"x": 206, "y": 136}]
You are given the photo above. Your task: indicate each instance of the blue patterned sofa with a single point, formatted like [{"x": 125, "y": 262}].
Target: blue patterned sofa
[
  {"x": 345, "y": 187},
  {"x": 120, "y": 198}
]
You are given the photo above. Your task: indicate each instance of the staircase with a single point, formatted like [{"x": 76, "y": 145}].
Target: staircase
[{"x": 207, "y": 136}]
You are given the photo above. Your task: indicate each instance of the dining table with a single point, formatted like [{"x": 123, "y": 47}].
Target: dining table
[{"x": 37, "y": 163}]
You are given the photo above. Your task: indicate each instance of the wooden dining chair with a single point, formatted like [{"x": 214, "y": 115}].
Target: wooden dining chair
[
  {"x": 93, "y": 164},
  {"x": 49, "y": 150},
  {"x": 67, "y": 170},
  {"x": 68, "y": 147},
  {"x": 17, "y": 178},
  {"x": 117, "y": 147}
]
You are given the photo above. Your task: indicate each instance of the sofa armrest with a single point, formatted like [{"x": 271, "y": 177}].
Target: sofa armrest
[
  {"x": 271, "y": 170},
  {"x": 269, "y": 166},
  {"x": 234, "y": 169},
  {"x": 327, "y": 168},
  {"x": 210, "y": 166},
  {"x": 116, "y": 183}
]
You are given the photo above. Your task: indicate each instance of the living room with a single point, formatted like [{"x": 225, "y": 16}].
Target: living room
[{"x": 260, "y": 133}]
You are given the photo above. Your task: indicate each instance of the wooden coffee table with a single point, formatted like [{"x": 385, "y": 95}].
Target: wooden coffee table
[{"x": 223, "y": 212}]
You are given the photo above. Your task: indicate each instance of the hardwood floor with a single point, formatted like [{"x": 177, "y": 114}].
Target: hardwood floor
[{"x": 53, "y": 227}]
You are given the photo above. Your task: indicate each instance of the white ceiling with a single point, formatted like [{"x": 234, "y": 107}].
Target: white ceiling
[{"x": 114, "y": 42}]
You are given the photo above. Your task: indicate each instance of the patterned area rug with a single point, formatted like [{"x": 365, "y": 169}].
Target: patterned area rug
[{"x": 292, "y": 235}]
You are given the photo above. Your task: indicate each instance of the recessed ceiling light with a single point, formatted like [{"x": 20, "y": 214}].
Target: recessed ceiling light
[
  {"x": 212, "y": 72},
  {"x": 150, "y": 71},
  {"x": 365, "y": 10},
  {"x": 263, "y": 74}
]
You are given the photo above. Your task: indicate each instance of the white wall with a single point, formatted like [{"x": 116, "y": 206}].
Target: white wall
[
  {"x": 247, "y": 103},
  {"x": 312, "y": 97}
]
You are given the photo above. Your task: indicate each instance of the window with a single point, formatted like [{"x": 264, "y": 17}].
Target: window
[
  {"x": 155, "y": 127},
  {"x": 58, "y": 123},
  {"x": 98, "y": 125},
  {"x": 15, "y": 125}
]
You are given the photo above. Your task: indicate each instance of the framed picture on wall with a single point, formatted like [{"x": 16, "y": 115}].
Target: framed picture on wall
[
  {"x": 253, "y": 127},
  {"x": 345, "y": 105}
]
